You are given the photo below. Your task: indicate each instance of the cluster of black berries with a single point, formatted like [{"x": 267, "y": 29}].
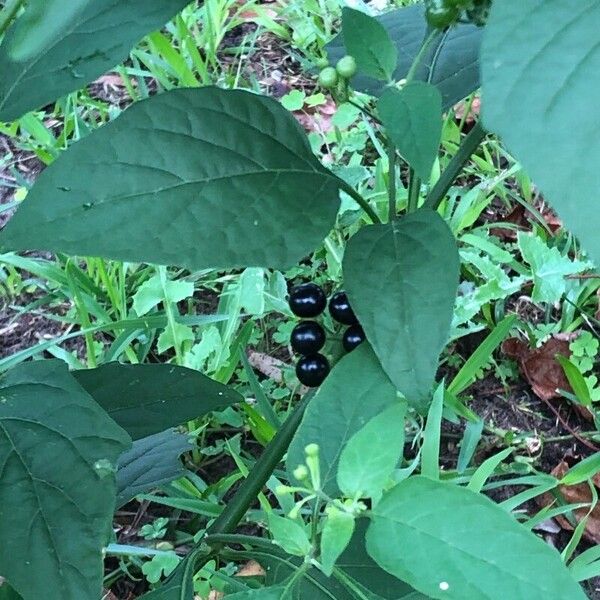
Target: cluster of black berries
[{"x": 308, "y": 301}]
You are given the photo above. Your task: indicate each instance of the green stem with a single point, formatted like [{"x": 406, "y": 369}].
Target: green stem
[
  {"x": 8, "y": 13},
  {"x": 361, "y": 202},
  {"x": 392, "y": 181},
  {"x": 455, "y": 166},
  {"x": 235, "y": 510},
  {"x": 414, "y": 187},
  {"x": 431, "y": 36},
  {"x": 171, "y": 323}
]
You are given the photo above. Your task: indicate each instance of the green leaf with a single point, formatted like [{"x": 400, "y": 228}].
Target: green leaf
[
  {"x": 412, "y": 117},
  {"x": 7, "y": 593},
  {"x": 576, "y": 380},
  {"x": 582, "y": 471},
  {"x": 401, "y": 279},
  {"x": 372, "y": 453},
  {"x": 430, "y": 451},
  {"x": 58, "y": 451},
  {"x": 180, "y": 585},
  {"x": 151, "y": 461},
  {"x": 548, "y": 82},
  {"x": 356, "y": 563},
  {"x": 462, "y": 545},
  {"x": 147, "y": 399},
  {"x": 337, "y": 531},
  {"x": 289, "y": 535},
  {"x": 41, "y": 23},
  {"x": 355, "y": 391},
  {"x": 549, "y": 268},
  {"x": 455, "y": 70},
  {"x": 151, "y": 293},
  {"x": 369, "y": 43},
  {"x": 98, "y": 38},
  {"x": 202, "y": 178}
]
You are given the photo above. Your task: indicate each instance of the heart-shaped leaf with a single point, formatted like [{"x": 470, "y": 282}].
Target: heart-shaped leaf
[
  {"x": 195, "y": 177},
  {"x": 58, "y": 451},
  {"x": 401, "y": 279}
]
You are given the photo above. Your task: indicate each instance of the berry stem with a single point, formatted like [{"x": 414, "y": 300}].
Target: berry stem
[
  {"x": 414, "y": 186},
  {"x": 431, "y": 36}
]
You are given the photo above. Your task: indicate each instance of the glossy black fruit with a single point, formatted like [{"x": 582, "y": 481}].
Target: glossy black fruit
[
  {"x": 340, "y": 309},
  {"x": 307, "y": 300},
  {"x": 312, "y": 370},
  {"x": 353, "y": 336},
  {"x": 308, "y": 337}
]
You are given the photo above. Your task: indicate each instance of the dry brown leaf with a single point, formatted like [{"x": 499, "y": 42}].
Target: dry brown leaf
[
  {"x": 251, "y": 569},
  {"x": 516, "y": 217},
  {"x": 575, "y": 494},
  {"x": 318, "y": 118},
  {"x": 539, "y": 365},
  {"x": 474, "y": 109}
]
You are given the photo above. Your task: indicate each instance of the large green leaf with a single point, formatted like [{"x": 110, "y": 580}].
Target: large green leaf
[
  {"x": 147, "y": 399},
  {"x": 58, "y": 451},
  {"x": 41, "y": 23},
  {"x": 98, "y": 37},
  {"x": 455, "y": 67},
  {"x": 412, "y": 117},
  {"x": 356, "y": 390},
  {"x": 401, "y": 279},
  {"x": 357, "y": 564},
  {"x": 271, "y": 593},
  {"x": 449, "y": 542},
  {"x": 540, "y": 75},
  {"x": 150, "y": 462},
  {"x": 367, "y": 40},
  {"x": 195, "y": 177}
]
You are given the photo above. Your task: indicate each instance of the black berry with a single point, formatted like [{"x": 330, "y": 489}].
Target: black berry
[
  {"x": 307, "y": 337},
  {"x": 307, "y": 300},
  {"x": 312, "y": 370},
  {"x": 340, "y": 309},
  {"x": 353, "y": 336}
]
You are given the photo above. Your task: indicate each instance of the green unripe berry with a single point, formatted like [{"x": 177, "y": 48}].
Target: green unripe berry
[
  {"x": 322, "y": 63},
  {"x": 312, "y": 450},
  {"x": 328, "y": 78},
  {"x": 346, "y": 67},
  {"x": 301, "y": 473}
]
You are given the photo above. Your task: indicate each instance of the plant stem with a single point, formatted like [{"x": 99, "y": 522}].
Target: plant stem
[
  {"x": 8, "y": 13},
  {"x": 361, "y": 202},
  {"x": 414, "y": 187},
  {"x": 391, "y": 181},
  {"x": 430, "y": 37},
  {"x": 455, "y": 166},
  {"x": 235, "y": 510},
  {"x": 171, "y": 323}
]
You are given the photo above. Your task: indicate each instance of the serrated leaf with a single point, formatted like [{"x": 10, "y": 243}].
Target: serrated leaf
[
  {"x": 450, "y": 558},
  {"x": 549, "y": 268},
  {"x": 202, "y": 178},
  {"x": 151, "y": 293},
  {"x": 455, "y": 70},
  {"x": 147, "y": 399},
  {"x": 58, "y": 451},
  {"x": 372, "y": 453},
  {"x": 548, "y": 82},
  {"x": 289, "y": 535},
  {"x": 98, "y": 38},
  {"x": 149, "y": 463},
  {"x": 337, "y": 532},
  {"x": 369, "y": 43},
  {"x": 412, "y": 117},
  {"x": 356, "y": 390},
  {"x": 401, "y": 279}
]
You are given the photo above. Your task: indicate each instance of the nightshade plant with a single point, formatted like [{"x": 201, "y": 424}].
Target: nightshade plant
[{"x": 214, "y": 178}]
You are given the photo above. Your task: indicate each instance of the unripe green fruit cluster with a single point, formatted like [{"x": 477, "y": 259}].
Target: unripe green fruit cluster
[{"x": 345, "y": 69}]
